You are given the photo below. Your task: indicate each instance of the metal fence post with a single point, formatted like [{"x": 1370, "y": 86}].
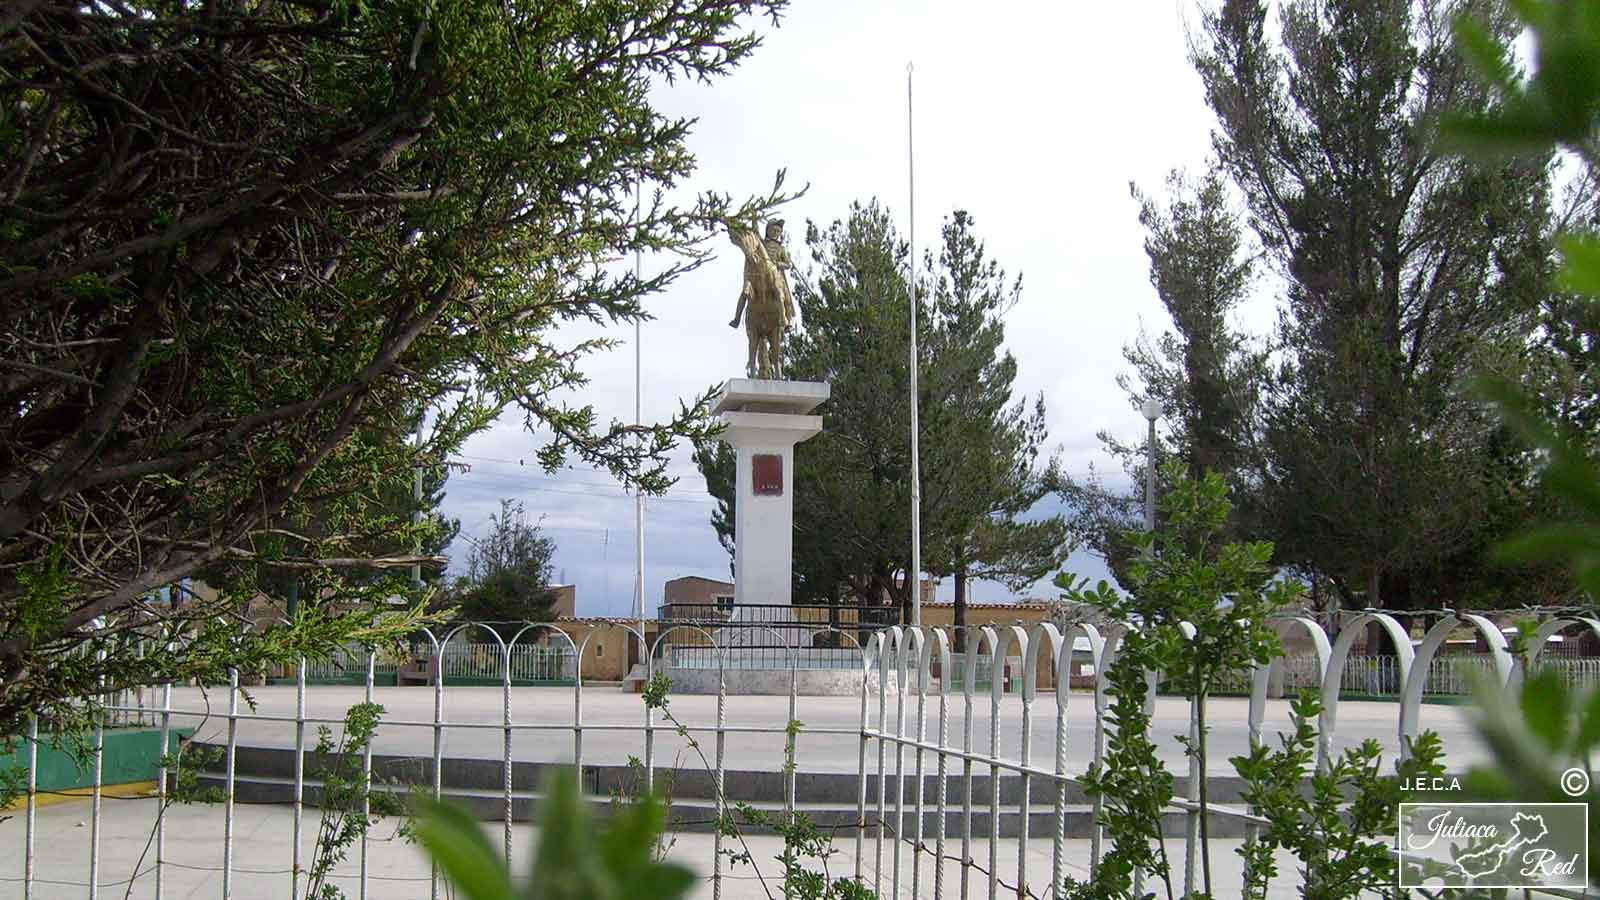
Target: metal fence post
[
  {"x": 299, "y": 775},
  {"x": 30, "y": 824},
  {"x": 227, "y": 809}
]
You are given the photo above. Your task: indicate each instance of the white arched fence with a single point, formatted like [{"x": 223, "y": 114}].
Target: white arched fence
[{"x": 916, "y": 719}]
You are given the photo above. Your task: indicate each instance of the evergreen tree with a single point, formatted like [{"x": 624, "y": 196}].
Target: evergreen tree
[
  {"x": 508, "y": 574},
  {"x": 1205, "y": 372},
  {"x": 982, "y": 470},
  {"x": 239, "y": 241},
  {"x": 1405, "y": 270}
]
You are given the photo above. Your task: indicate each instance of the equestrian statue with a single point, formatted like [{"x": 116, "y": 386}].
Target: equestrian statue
[{"x": 765, "y": 301}]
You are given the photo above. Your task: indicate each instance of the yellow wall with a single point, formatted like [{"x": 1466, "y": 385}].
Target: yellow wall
[
  {"x": 606, "y": 657},
  {"x": 943, "y": 615}
]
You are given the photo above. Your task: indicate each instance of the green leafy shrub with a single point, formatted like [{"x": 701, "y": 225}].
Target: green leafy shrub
[
  {"x": 1189, "y": 576},
  {"x": 575, "y": 859},
  {"x": 1335, "y": 821}
]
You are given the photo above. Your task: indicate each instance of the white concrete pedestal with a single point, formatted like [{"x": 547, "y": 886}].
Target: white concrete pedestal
[{"x": 763, "y": 420}]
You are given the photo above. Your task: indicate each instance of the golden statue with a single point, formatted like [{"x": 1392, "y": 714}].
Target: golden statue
[{"x": 765, "y": 301}]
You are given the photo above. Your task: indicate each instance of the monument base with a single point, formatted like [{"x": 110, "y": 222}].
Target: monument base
[
  {"x": 808, "y": 682},
  {"x": 763, "y": 647},
  {"x": 763, "y": 420}
]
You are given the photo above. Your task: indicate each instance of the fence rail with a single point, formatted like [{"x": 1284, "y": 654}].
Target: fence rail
[
  {"x": 460, "y": 662},
  {"x": 1446, "y": 676},
  {"x": 914, "y": 689}
]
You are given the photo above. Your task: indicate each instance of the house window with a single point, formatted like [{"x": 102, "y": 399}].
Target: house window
[
  {"x": 599, "y": 649},
  {"x": 724, "y": 603}
]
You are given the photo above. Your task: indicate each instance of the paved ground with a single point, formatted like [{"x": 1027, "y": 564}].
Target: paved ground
[
  {"x": 262, "y": 836},
  {"x": 612, "y": 722}
]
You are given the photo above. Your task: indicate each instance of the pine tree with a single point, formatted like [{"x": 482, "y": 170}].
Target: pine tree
[
  {"x": 981, "y": 462},
  {"x": 1206, "y": 373},
  {"x": 1405, "y": 270},
  {"x": 508, "y": 574}
]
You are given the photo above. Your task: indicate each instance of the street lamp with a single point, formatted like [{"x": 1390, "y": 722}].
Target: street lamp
[{"x": 1152, "y": 411}]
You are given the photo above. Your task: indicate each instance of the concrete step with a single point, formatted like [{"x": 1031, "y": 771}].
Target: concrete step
[
  {"x": 700, "y": 815},
  {"x": 837, "y": 788}
]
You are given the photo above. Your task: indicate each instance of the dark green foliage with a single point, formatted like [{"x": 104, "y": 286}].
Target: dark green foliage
[
  {"x": 13, "y": 785},
  {"x": 983, "y": 463},
  {"x": 575, "y": 859},
  {"x": 1406, "y": 270},
  {"x": 1336, "y": 821},
  {"x": 1207, "y": 375},
  {"x": 243, "y": 248},
  {"x": 1555, "y": 107}
]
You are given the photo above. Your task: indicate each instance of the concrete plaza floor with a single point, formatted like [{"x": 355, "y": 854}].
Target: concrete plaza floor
[
  {"x": 613, "y": 721},
  {"x": 399, "y": 871},
  {"x": 827, "y": 744}
]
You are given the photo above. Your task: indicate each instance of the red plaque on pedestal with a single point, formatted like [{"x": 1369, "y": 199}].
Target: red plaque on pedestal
[{"x": 766, "y": 474}]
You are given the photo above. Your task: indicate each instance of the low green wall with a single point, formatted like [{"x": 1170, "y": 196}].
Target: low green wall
[{"x": 130, "y": 755}]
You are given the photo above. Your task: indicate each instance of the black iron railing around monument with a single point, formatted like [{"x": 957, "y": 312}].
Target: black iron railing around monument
[{"x": 769, "y": 635}]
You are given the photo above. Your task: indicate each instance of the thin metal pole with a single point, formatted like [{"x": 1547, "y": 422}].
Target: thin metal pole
[
  {"x": 915, "y": 575},
  {"x": 1191, "y": 824},
  {"x": 883, "y": 749},
  {"x": 506, "y": 799},
  {"x": 228, "y": 795},
  {"x": 416, "y": 510},
  {"x": 1150, "y": 480},
  {"x": 94, "y": 810},
  {"x": 161, "y": 787},
  {"x": 946, "y": 665},
  {"x": 861, "y": 770},
  {"x": 719, "y": 778},
  {"x": 1024, "y": 756},
  {"x": 900, "y": 666},
  {"x": 436, "y": 670},
  {"x": 366, "y": 780},
  {"x": 30, "y": 826},
  {"x": 297, "y": 856},
  {"x": 922, "y": 734},
  {"x": 638, "y": 420}
]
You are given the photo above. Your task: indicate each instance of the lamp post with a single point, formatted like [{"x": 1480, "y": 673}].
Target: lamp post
[{"x": 1152, "y": 411}]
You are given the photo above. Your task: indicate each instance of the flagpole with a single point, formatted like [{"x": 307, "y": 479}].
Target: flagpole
[
  {"x": 638, "y": 419},
  {"x": 915, "y": 575}
]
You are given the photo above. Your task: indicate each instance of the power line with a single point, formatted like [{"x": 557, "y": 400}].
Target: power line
[
  {"x": 503, "y": 478},
  {"x": 522, "y": 465}
]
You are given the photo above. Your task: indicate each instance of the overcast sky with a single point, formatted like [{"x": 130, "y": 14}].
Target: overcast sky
[{"x": 1033, "y": 117}]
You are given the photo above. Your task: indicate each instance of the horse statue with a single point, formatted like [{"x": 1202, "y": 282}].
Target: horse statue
[{"x": 765, "y": 301}]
